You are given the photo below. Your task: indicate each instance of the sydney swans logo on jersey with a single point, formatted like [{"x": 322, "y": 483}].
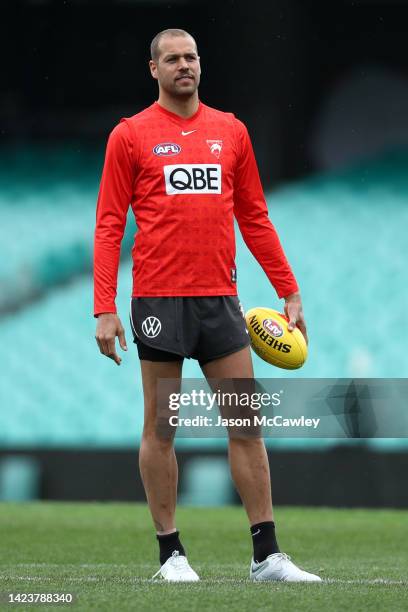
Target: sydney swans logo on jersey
[
  {"x": 167, "y": 149},
  {"x": 215, "y": 147},
  {"x": 151, "y": 327},
  {"x": 192, "y": 178}
]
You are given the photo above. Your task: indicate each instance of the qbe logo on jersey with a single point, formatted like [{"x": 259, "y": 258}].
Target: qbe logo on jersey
[{"x": 192, "y": 178}]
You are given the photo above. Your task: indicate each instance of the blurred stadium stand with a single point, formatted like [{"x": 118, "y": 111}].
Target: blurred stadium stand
[
  {"x": 345, "y": 234},
  {"x": 47, "y": 212},
  {"x": 323, "y": 89},
  {"x": 19, "y": 478}
]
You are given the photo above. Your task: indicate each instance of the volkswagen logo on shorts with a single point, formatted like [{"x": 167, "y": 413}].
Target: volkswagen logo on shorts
[{"x": 151, "y": 327}]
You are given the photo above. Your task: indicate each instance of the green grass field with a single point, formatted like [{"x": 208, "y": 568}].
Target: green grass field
[{"x": 106, "y": 554}]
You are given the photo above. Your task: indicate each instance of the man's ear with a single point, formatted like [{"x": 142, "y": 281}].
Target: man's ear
[{"x": 153, "y": 69}]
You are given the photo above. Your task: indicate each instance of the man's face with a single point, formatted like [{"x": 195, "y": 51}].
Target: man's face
[{"x": 178, "y": 67}]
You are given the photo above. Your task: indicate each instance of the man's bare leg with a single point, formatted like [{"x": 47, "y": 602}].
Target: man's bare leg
[
  {"x": 250, "y": 471},
  {"x": 157, "y": 459},
  {"x": 248, "y": 458}
]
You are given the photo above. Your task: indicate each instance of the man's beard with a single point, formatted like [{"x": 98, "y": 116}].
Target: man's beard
[{"x": 182, "y": 93}]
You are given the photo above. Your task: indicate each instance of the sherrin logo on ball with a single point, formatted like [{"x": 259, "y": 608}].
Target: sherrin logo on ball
[{"x": 272, "y": 341}]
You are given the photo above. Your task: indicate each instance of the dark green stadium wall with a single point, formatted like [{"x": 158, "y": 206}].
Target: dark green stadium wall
[
  {"x": 74, "y": 68},
  {"x": 341, "y": 477}
]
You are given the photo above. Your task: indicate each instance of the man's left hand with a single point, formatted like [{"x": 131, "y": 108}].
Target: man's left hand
[{"x": 294, "y": 312}]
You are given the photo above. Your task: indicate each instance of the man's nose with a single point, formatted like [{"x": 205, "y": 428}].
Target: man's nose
[{"x": 183, "y": 64}]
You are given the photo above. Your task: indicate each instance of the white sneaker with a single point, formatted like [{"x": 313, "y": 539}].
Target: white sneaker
[
  {"x": 279, "y": 567},
  {"x": 177, "y": 569}
]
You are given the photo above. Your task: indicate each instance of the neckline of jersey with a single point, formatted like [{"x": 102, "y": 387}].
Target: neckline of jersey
[{"x": 177, "y": 118}]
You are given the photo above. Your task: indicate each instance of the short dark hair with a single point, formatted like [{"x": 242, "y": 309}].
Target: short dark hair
[{"x": 154, "y": 47}]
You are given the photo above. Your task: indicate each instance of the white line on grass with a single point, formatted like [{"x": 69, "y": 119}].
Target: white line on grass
[
  {"x": 379, "y": 581},
  {"x": 151, "y": 566},
  {"x": 362, "y": 581}
]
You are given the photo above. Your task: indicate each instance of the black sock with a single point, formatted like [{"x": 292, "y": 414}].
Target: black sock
[
  {"x": 264, "y": 540},
  {"x": 168, "y": 544}
]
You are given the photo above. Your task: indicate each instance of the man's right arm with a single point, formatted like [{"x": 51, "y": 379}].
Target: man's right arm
[{"x": 114, "y": 197}]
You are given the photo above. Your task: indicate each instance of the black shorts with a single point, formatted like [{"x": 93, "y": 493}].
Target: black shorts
[{"x": 202, "y": 328}]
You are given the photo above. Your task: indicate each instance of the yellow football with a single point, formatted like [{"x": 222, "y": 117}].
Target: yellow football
[{"x": 272, "y": 341}]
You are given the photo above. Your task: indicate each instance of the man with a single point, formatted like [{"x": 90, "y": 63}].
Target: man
[{"x": 186, "y": 169}]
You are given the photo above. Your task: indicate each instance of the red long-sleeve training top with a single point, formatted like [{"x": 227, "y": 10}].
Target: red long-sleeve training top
[{"x": 185, "y": 180}]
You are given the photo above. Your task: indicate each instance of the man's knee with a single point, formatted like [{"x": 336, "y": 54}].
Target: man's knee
[
  {"x": 158, "y": 437},
  {"x": 246, "y": 443}
]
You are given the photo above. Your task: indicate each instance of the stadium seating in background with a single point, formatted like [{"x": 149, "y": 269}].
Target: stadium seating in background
[
  {"x": 344, "y": 233},
  {"x": 47, "y": 208},
  {"x": 206, "y": 482},
  {"x": 345, "y": 236},
  {"x": 19, "y": 478}
]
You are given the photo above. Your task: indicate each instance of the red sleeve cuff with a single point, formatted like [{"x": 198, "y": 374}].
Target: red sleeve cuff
[
  {"x": 284, "y": 292},
  {"x": 105, "y": 309}
]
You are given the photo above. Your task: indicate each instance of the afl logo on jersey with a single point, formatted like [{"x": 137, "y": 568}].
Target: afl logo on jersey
[
  {"x": 167, "y": 149},
  {"x": 192, "y": 178}
]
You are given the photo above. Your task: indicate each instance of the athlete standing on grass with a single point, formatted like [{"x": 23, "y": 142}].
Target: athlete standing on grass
[{"x": 186, "y": 169}]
